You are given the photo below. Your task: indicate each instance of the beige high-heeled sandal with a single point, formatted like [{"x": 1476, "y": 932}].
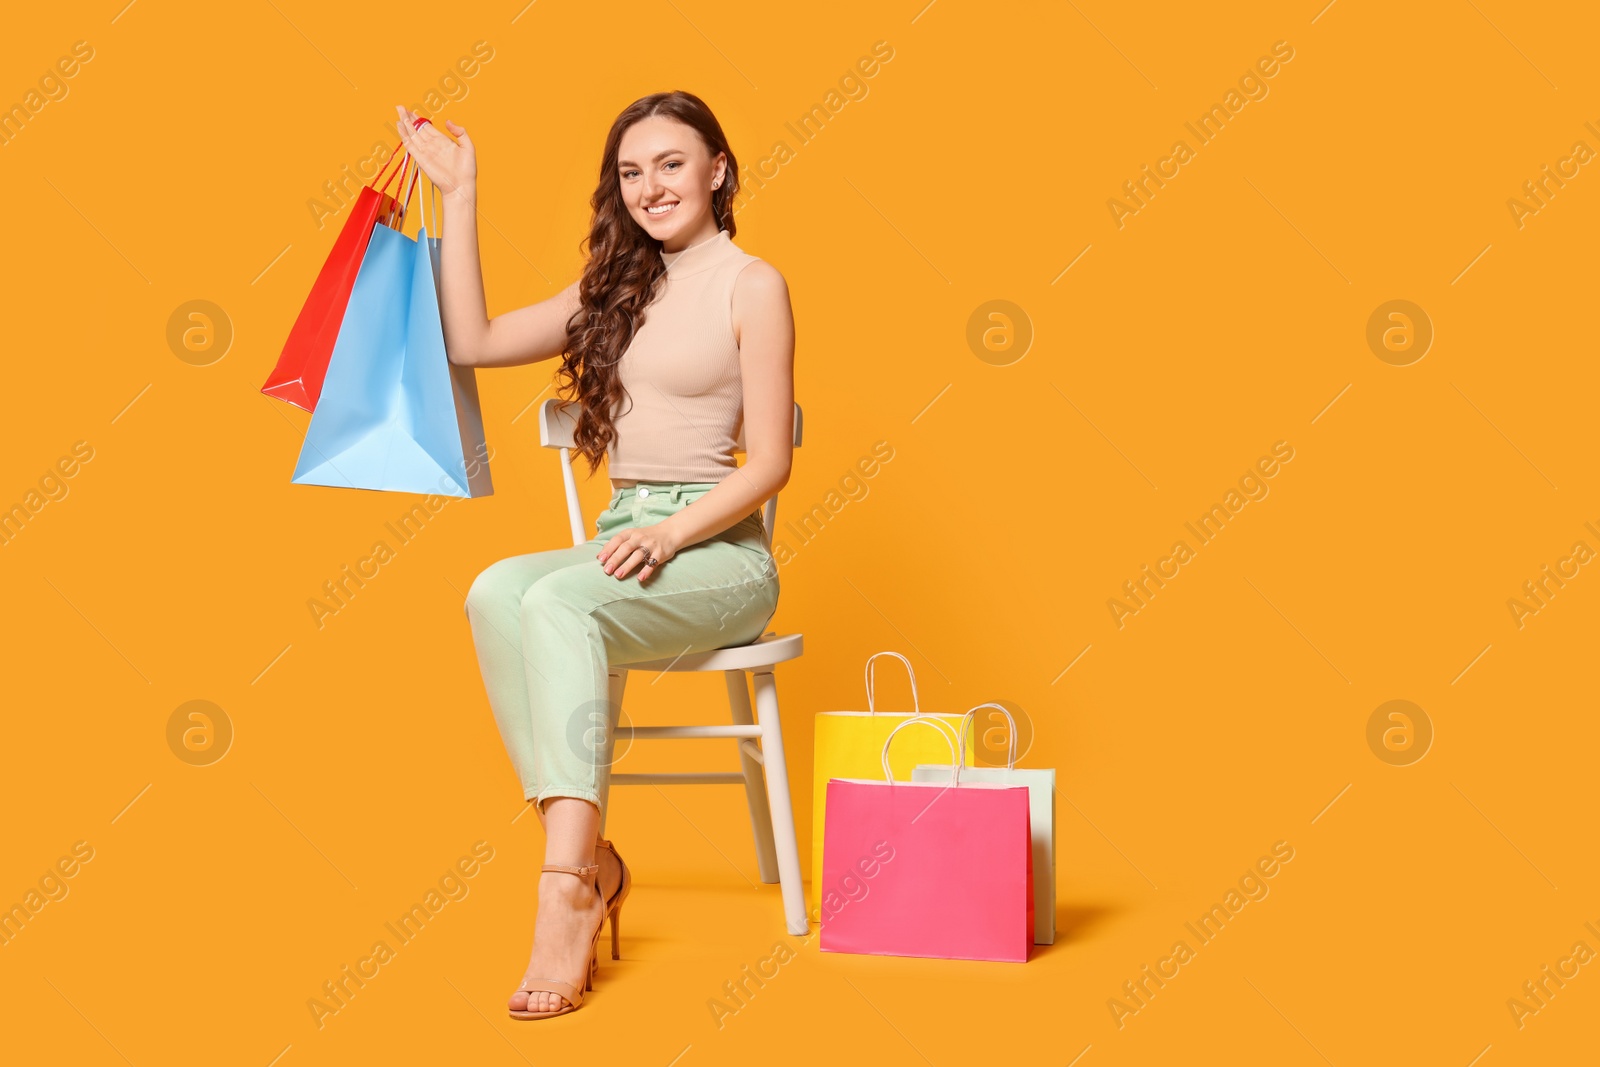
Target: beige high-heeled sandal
[{"x": 573, "y": 995}]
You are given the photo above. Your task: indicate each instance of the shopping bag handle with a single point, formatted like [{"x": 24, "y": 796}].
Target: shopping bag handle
[
  {"x": 430, "y": 206},
  {"x": 916, "y": 707},
  {"x": 409, "y": 183},
  {"x": 384, "y": 188},
  {"x": 946, "y": 731},
  {"x": 971, "y": 716}
]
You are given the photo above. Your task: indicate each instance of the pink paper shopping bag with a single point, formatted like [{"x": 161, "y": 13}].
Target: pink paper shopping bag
[{"x": 940, "y": 869}]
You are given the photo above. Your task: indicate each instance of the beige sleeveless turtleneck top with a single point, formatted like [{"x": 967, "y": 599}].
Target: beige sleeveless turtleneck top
[{"x": 685, "y": 398}]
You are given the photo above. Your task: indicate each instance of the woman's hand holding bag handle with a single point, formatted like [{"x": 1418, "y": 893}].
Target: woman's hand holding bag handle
[{"x": 449, "y": 158}]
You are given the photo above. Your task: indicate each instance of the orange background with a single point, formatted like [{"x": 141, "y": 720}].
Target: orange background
[{"x": 1230, "y": 713}]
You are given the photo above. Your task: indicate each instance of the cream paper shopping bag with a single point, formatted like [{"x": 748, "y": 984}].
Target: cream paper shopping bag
[
  {"x": 1041, "y": 783},
  {"x": 849, "y": 744}
]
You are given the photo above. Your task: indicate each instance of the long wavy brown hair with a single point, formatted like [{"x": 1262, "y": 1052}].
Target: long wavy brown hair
[{"x": 623, "y": 267}]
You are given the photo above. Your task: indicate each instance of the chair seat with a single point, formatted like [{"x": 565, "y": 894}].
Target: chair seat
[{"x": 766, "y": 650}]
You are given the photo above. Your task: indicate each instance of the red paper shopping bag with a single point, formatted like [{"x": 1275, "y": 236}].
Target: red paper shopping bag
[
  {"x": 940, "y": 869},
  {"x": 303, "y": 364}
]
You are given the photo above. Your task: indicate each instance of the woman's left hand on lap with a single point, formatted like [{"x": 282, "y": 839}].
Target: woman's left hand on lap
[{"x": 628, "y": 549}]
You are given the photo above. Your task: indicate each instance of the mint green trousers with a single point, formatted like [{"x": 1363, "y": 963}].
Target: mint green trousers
[{"x": 549, "y": 626}]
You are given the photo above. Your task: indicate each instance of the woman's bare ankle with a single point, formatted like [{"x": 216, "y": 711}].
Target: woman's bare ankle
[{"x": 559, "y": 887}]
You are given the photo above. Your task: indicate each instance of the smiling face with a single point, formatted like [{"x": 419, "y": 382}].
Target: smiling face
[{"x": 666, "y": 175}]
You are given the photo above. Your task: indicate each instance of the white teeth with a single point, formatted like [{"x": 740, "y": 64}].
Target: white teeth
[{"x": 662, "y": 210}]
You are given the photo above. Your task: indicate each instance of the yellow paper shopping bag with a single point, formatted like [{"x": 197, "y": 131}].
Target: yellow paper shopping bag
[{"x": 849, "y": 744}]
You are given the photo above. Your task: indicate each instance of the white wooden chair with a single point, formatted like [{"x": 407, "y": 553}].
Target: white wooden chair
[{"x": 771, "y": 812}]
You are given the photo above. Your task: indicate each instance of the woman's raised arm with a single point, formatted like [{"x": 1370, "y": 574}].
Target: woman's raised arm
[{"x": 526, "y": 335}]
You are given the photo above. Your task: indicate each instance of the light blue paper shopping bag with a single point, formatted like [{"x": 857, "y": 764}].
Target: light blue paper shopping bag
[{"x": 395, "y": 414}]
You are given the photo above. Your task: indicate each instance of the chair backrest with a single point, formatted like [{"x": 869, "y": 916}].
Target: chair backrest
[{"x": 558, "y": 421}]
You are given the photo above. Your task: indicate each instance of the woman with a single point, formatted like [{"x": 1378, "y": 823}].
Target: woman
[{"x": 669, "y": 338}]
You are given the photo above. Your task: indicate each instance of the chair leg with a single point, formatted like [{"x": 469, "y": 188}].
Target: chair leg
[
  {"x": 755, "y": 790},
  {"x": 617, "y": 683},
  {"x": 788, "y": 849}
]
